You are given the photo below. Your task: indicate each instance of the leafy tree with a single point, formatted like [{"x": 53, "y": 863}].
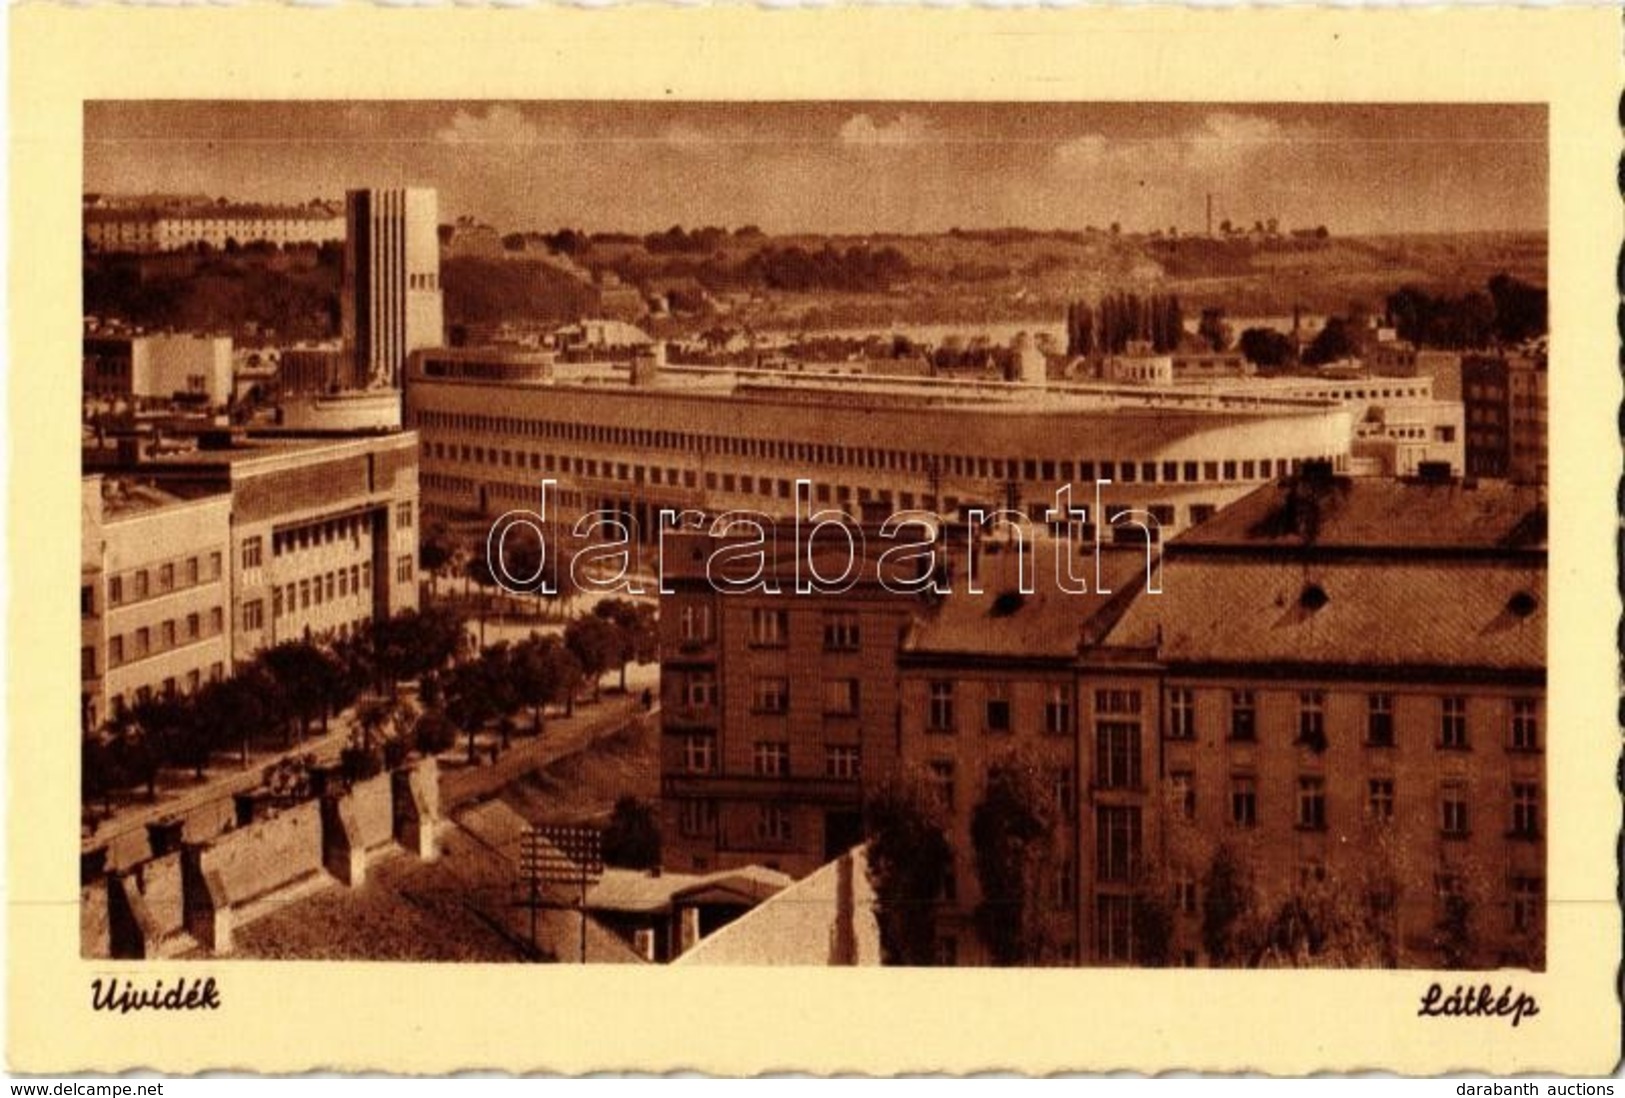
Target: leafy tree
[
  {"x": 497, "y": 666},
  {"x": 1520, "y": 308},
  {"x": 470, "y": 703},
  {"x": 436, "y": 551},
  {"x": 1080, "y": 328},
  {"x": 910, "y": 862},
  {"x": 246, "y": 707},
  {"x": 412, "y": 644},
  {"x": 191, "y": 741},
  {"x": 1228, "y": 902},
  {"x": 100, "y": 772},
  {"x": 632, "y": 838},
  {"x": 596, "y": 643},
  {"x": 309, "y": 681},
  {"x": 1014, "y": 831},
  {"x": 1266, "y": 347},
  {"x": 1213, "y": 330},
  {"x": 538, "y": 674},
  {"x": 1319, "y": 924},
  {"x": 570, "y": 675},
  {"x": 147, "y": 737},
  {"x": 434, "y": 733},
  {"x": 1332, "y": 343},
  {"x": 635, "y": 624}
]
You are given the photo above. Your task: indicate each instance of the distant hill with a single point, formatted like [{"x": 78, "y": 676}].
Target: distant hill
[{"x": 755, "y": 280}]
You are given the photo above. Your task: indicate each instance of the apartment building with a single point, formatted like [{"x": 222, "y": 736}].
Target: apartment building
[
  {"x": 1339, "y": 681},
  {"x": 154, "y": 595},
  {"x": 1348, "y": 678}
]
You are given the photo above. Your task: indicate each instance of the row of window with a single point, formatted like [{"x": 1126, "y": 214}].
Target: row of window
[
  {"x": 769, "y": 627},
  {"x": 145, "y": 641},
  {"x": 341, "y": 583},
  {"x": 789, "y": 451},
  {"x": 771, "y": 758},
  {"x": 189, "y": 683},
  {"x": 942, "y": 707},
  {"x": 1454, "y": 801},
  {"x": 351, "y": 529},
  {"x": 1115, "y": 926},
  {"x": 139, "y": 584},
  {"x": 1061, "y": 780},
  {"x": 697, "y": 693},
  {"x": 1523, "y": 732}
]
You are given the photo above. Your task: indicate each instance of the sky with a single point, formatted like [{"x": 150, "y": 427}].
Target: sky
[{"x": 852, "y": 167}]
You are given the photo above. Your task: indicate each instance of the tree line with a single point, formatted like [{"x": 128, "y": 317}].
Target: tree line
[
  {"x": 1108, "y": 325},
  {"x": 1338, "y": 917},
  {"x": 278, "y": 697}
]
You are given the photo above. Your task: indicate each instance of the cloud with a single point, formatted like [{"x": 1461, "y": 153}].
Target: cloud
[
  {"x": 1222, "y": 142},
  {"x": 1227, "y": 140},
  {"x": 498, "y": 127},
  {"x": 1089, "y": 151},
  {"x": 905, "y": 131}
]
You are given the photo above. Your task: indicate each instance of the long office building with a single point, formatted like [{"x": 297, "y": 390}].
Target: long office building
[{"x": 644, "y": 437}]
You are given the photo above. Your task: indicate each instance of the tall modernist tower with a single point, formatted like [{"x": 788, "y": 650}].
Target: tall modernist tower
[{"x": 391, "y": 304}]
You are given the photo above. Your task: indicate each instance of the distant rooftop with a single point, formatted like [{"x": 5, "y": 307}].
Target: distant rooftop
[
  {"x": 212, "y": 449},
  {"x": 1000, "y": 620},
  {"x": 1377, "y": 513},
  {"x": 1270, "y": 613},
  {"x": 125, "y": 498},
  {"x": 637, "y": 892}
]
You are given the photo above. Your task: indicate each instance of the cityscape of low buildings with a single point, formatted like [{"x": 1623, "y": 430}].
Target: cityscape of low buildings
[
  {"x": 1257, "y": 696},
  {"x": 1255, "y": 642},
  {"x": 169, "y": 223},
  {"x": 160, "y": 368}
]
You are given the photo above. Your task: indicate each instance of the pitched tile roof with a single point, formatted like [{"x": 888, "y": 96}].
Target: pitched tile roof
[
  {"x": 1479, "y": 614},
  {"x": 1001, "y": 621},
  {"x": 1343, "y": 512}
]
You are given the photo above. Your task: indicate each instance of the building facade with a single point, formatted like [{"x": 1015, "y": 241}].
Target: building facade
[
  {"x": 1335, "y": 688},
  {"x": 322, "y": 536},
  {"x": 178, "y": 225},
  {"x": 777, "y": 711},
  {"x": 1526, "y": 418},
  {"x": 1484, "y": 395},
  {"x": 159, "y": 368},
  {"x": 390, "y": 304},
  {"x": 154, "y": 595},
  {"x": 637, "y": 438},
  {"x": 1357, "y": 711}
]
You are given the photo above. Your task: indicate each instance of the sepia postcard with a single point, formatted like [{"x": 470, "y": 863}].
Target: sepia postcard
[{"x": 846, "y": 541}]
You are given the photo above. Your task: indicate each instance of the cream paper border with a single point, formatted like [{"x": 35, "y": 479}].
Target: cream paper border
[{"x": 280, "y": 1017}]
